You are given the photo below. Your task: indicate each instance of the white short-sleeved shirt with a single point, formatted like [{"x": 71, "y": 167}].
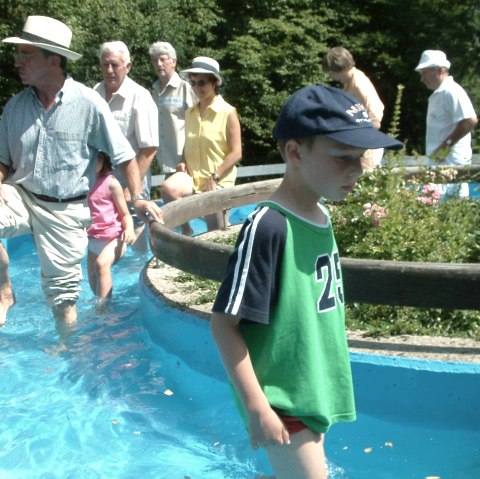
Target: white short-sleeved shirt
[
  {"x": 135, "y": 112},
  {"x": 172, "y": 103},
  {"x": 448, "y": 105}
]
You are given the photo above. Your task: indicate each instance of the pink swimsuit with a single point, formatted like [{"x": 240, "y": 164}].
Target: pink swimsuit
[{"x": 106, "y": 220}]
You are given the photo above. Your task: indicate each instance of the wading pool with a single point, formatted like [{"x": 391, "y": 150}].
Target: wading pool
[{"x": 137, "y": 391}]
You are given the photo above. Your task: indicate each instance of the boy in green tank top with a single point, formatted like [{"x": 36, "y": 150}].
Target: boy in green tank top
[{"x": 278, "y": 319}]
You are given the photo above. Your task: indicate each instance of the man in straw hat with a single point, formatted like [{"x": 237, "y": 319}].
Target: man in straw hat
[
  {"x": 450, "y": 115},
  {"x": 50, "y": 134}
]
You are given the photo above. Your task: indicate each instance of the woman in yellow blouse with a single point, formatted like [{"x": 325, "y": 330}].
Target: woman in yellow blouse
[{"x": 212, "y": 137}]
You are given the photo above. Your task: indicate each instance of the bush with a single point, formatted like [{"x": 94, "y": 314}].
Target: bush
[{"x": 389, "y": 217}]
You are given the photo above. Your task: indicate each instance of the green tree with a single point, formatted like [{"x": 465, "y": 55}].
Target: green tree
[
  {"x": 400, "y": 30},
  {"x": 275, "y": 48},
  {"x": 269, "y": 48}
]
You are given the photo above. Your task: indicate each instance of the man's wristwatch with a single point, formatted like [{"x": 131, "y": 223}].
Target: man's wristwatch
[
  {"x": 139, "y": 196},
  {"x": 449, "y": 142},
  {"x": 215, "y": 176}
]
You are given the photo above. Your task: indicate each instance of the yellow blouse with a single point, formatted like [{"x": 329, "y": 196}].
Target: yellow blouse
[{"x": 206, "y": 143}]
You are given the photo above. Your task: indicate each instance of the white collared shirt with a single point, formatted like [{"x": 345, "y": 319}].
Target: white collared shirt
[
  {"x": 172, "y": 102},
  {"x": 135, "y": 112},
  {"x": 448, "y": 105}
]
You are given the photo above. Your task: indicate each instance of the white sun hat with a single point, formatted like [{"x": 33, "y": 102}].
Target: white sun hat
[
  {"x": 48, "y": 34},
  {"x": 203, "y": 65},
  {"x": 432, "y": 58}
]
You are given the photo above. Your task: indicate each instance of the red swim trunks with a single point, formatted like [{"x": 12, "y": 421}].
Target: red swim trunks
[{"x": 292, "y": 423}]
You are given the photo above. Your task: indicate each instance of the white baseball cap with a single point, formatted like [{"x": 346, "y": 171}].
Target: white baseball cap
[{"x": 432, "y": 58}]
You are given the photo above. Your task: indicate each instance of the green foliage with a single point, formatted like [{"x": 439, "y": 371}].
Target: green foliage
[
  {"x": 384, "y": 219},
  {"x": 390, "y": 49},
  {"x": 200, "y": 290},
  {"x": 184, "y": 23},
  {"x": 381, "y": 321},
  {"x": 269, "y": 48},
  {"x": 275, "y": 49}
]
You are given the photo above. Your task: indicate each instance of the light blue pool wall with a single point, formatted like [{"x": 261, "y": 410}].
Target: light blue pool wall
[{"x": 417, "y": 391}]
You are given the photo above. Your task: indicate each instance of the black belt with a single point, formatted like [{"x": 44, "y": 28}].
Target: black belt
[{"x": 52, "y": 199}]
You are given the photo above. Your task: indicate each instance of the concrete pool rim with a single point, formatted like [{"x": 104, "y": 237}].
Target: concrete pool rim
[{"x": 422, "y": 352}]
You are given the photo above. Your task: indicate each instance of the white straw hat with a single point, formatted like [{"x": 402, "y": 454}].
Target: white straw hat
[
  {"x": 432, "y": 58},
  {"x": 203, "y": 65},
  {"x": 48, "y": 34}
]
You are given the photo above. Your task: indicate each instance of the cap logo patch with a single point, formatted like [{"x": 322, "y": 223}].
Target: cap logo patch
[{"x": 355, "y": 110}]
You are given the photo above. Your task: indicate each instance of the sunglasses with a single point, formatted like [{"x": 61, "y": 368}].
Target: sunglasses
[{"x": 199, "y": 83}]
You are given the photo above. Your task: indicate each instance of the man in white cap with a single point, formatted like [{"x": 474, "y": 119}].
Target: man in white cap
[
  {"x": 450, "y": 115},
  {"x": 50, "y": 135},
  {"x": 136, "y": 114}
]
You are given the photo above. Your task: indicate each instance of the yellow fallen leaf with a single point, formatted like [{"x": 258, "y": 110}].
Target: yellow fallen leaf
[
  {"x": 115, "y": 422},
  {"x": 389, "y": 444},
  {"x": 433, "y": 477},
  {"x": 368, "y": 450},
  {"x": 168, "y": 392}
]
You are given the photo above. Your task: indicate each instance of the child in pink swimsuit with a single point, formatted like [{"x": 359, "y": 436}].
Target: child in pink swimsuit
[{"x": 111, "y": 229}]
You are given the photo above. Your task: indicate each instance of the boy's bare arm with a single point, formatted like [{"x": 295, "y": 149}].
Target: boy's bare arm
[{"x": 264, "y": 425}]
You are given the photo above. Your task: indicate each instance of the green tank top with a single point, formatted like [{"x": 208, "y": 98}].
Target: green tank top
[{"x": 301, "y": 357}]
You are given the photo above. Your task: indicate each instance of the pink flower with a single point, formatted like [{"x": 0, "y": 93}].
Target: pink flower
[
  {"x": 375, "y": 212},
  {"x": 425, "y": 201},
  {"x": 431, "y": 193}
]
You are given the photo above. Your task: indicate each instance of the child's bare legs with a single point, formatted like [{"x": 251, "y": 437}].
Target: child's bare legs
[
  {"x": 92, "y": 275},
  {"x": 304, "y": 458},
  {"x": 99, "y": 267},
  {"x": 7, "y": 297}
]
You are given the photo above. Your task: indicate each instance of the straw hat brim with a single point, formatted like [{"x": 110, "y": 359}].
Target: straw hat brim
[{"x": 64, "y": 52}]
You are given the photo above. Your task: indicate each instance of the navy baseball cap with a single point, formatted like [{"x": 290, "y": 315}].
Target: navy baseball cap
[{"x": 331, "y": 112}]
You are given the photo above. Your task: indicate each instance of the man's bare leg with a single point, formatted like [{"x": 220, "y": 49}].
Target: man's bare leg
[
  {"x": 66, "y": 315},
  {"x": 66, "y": 312},
  {"x": 7, "y": 297}
]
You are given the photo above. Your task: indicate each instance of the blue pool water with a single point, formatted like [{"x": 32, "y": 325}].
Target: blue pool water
[
  {"x": 111, "y": 404},
  {"x": 137, "y": 391}
]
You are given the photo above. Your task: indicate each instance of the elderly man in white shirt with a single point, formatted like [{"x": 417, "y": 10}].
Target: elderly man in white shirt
[
  {"x": 135, "y": 112},
  {"x": 450, "y": 116},
  {"x": 173, "y": 97},
  {"x": 130, "y": 103}
]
